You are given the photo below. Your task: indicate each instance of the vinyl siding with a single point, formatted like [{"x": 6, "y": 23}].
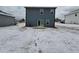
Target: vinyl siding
[
  {"x": 6, "y": 20},
  {"x": 72, "y": 19},
  {"x": 33, "y": 15}
]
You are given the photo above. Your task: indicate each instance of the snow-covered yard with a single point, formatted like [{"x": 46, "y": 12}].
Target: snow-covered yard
[{"x": 15, "y": 39}]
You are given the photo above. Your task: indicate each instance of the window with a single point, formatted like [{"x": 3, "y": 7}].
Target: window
[
  {"x": 41, "y": 11},
  {"x": 51, "y": 11},
  {"x": 47, "y": 21},
  {"x": 76, "y": 14}
]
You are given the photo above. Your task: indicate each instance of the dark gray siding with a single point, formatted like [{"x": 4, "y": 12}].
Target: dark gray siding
[
  {"x": 33, "y": 15},
  {"x": 6, "y": 20}
]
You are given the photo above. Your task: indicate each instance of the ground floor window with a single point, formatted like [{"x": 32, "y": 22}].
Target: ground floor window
[{"x": 47, "y": 22}]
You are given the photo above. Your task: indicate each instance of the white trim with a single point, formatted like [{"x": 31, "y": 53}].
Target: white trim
[{"x": 42, "y": 10}]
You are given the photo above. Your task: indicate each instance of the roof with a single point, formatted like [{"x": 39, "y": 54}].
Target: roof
[
  {"x": 72, "y": 12},
  {"x": 5, "y": 14},
  {"x": 40, "y": 7}
]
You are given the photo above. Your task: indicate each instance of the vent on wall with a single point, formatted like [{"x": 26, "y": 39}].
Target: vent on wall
[{"x": 76, "y": 14}]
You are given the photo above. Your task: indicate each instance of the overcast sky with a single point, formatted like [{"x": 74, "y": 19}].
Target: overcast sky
[
  {"x": 19, "y": 11},
  {"x": 61, "y": 11}
]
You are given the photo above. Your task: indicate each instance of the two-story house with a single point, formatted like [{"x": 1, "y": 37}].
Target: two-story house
[{"x": 40, "y": 16}]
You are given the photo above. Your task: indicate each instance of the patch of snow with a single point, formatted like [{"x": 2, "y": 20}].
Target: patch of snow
[
  {"x": 32, "y": 40},
  {"x": 70, "y": 26}
]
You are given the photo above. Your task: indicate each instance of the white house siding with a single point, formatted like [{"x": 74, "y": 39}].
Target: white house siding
[{"x": 72, "y": 19}]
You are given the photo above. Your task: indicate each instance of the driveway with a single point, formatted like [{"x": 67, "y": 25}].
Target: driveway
[{"x": 31, "y": 40}]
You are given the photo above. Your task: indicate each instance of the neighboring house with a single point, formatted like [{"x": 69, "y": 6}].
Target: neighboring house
[
  {"x": 6, "y": 19},
  {"x": 40, "y": 16},
  {"x": 72, "y": 17}
]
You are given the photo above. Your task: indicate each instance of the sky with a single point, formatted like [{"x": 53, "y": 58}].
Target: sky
[
  {"x": 64, "y": 10},
  {"x": 19, "y": 11}
]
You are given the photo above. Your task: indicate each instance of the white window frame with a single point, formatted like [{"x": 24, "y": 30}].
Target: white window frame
[
  {"x": 42, "y": 10},
  {"x": 47, "y": 20},
  {"x": 51, "y": 10}
]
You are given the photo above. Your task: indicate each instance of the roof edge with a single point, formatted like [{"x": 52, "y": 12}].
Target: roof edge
[
  {"x": 72, "y": 12},
  {"x": 40, "y": 7}
]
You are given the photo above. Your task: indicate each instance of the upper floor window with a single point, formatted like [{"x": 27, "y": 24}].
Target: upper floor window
[
  {"x": 51, "y": 11},
  {"x": 41, "y": 11},
  {"x": 76, "y": 14}
]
